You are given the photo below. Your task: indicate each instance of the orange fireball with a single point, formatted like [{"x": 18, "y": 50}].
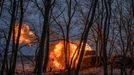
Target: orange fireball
[
  {"x": 57, "y": 56},
  {"x": 26, "y": 36}
]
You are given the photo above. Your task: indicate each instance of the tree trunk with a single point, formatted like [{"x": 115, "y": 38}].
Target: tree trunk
[
  {"x": 47, "y": 51},
  {"x": 12, "y": 69},
  {"x": 40, "y": 55},
  {"x": 12, "y": 23},
  {"x": 85, "y": 36}
]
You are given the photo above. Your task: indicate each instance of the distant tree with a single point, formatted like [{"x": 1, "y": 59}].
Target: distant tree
[
  {"x": 1, "y": 6},
  {"x": 88, "y": 24},
  {"x": 16, "y": 48},
  {"x": 12, "y": 23},
  {"x": 44, "y": 41}
]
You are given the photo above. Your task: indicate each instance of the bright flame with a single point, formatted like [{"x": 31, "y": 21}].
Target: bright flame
[
  {"x": 58, "y": 48},
  {"x": 57, "y": 56},
  {"x": 26, "y": 36},
  {"x": 88, "y": 48}
]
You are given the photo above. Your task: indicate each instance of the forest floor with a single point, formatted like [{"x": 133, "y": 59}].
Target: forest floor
[{"x": 28, "y": 68}]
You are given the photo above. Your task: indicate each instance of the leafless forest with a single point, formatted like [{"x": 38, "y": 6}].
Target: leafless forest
[{"x": 66, "y": 37}]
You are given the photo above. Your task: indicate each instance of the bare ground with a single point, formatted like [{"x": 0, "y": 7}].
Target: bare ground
[
  {"x": 28, "y": 70},
  {"x": 29, "y": 67}
]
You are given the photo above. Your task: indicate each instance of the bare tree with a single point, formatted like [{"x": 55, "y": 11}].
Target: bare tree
[
  {"x": 85, "y": 33},
  {"x": 44, "y": 36},
  {"x": 12, "y": 23},
  {"x": 1, "y": 6}
]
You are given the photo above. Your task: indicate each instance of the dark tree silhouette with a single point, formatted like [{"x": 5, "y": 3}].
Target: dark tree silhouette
[{"x": 12, "y": 23}]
